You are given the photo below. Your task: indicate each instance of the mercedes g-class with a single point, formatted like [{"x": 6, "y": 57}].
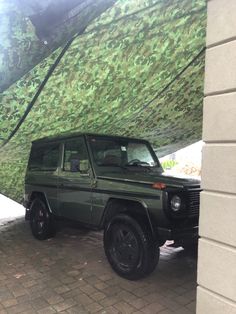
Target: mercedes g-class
[{"x": 116, "y": 184}]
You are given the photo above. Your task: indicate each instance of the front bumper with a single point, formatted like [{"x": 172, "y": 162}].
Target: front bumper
[{"x": 189, "y": 234}]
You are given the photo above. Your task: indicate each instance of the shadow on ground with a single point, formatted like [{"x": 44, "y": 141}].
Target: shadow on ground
[{"x": 70, "y": 274}]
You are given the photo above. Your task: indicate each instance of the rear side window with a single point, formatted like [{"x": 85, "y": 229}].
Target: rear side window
[{"x": 44, "y": 158}]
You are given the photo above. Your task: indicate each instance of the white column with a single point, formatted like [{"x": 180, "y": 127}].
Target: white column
[{"x": 216, "y": 293}]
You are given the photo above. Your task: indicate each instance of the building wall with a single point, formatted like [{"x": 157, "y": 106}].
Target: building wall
[{"x": 217, "y": 247}]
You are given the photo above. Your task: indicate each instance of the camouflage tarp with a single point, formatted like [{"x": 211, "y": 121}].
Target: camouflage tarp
[
  {"x": 30, "y": 30},
  {"x": 136, "y": 70}
]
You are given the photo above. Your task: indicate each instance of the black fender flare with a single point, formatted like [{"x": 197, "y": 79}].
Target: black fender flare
[
  {"x": 40, "y": 195},
  {"x": 134, "y": 207}
]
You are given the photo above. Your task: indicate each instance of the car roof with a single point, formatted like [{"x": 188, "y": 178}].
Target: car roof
[{"x": 69, "y": 135}]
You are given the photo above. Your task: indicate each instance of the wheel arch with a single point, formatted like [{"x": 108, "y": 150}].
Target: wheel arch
[
  {"x": 42, "y": 196},
  {"x": 137, "y": 209}
]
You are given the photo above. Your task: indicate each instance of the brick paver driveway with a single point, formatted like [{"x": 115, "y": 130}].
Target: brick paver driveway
[{"x": 70, "y": 274}]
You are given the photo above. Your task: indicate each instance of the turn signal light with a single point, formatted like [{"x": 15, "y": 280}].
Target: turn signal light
[{"x": 159, "y": 186}]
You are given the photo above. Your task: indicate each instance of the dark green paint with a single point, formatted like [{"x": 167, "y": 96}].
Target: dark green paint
[{"x": 83, "y": 197}]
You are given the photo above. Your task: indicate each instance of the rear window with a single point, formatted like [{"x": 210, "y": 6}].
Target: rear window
[{"x": 44, "y": 158}]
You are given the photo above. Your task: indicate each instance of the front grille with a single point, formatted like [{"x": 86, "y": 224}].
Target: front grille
[{"x": 193, "y": 199}]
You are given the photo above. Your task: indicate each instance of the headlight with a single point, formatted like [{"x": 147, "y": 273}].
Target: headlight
[{"x": 175, "y": 203}]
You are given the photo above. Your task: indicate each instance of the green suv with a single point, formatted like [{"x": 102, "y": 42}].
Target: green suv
[{"x": 111, "y": 183}]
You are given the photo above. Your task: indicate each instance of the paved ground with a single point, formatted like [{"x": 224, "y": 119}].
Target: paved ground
[{"x": 70, "y": 274}]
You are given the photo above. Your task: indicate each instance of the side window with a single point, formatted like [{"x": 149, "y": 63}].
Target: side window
[
  {"x": 76, "y": 156},
  {"x": 44, "y": 158}
]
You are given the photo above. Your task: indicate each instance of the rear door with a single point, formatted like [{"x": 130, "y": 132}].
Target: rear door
[
  {"x": 75, "y": 182},
  {"x": 42, "y": 172}
]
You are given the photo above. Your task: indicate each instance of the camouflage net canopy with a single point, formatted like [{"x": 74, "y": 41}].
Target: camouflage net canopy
[{"x": 136, "y": 69}]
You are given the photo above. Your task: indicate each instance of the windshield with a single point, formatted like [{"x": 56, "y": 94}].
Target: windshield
[{"x": 117, "y": 152}]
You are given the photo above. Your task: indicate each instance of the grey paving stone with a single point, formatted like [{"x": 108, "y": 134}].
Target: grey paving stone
[{"x": 55, "y": 276}]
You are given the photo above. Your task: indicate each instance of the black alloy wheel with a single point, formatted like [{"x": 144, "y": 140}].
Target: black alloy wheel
[
  {"x": 41, "y": 220},
  {"x": 129, "y": 248},
  {"x": 124, "y": 247}
]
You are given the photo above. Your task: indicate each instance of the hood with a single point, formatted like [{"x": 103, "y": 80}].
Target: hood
[{"x": 151, "y": 177}]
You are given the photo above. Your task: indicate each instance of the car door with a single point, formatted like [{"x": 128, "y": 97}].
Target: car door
[
  {"x": 42, "y": 172},
  {"x": 75, "y": 182}
]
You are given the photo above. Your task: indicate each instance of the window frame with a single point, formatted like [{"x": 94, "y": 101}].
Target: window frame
[{"x": 74, "y": 139}]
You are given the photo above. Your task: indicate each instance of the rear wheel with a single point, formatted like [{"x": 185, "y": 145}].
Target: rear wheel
[
  {"x": 130, "y": 248},
  {"x": 41, "y": 220}
]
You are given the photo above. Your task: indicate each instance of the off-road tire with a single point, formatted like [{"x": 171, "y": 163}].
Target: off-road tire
[
  {"x": 41, "y": 221},
  {"x": 136, "y": 255}
]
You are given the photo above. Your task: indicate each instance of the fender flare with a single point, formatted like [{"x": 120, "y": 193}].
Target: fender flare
[
  {"x": 123, "y": 203},
  {"x": 42, "y": 196}
]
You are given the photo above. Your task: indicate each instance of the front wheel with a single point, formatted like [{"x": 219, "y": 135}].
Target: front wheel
[
  {"x": 41, "y": 220},
  {"x": 129, "y": 248}
]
